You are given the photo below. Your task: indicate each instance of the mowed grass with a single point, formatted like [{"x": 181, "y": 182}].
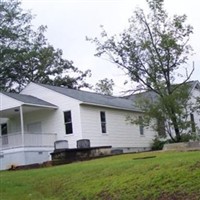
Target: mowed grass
[{"x": 141, "y": 176}]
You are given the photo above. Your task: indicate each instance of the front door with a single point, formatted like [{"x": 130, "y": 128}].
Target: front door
[
  {"x": 4, "y": 134},
  {"x": 34, "y": 127}
]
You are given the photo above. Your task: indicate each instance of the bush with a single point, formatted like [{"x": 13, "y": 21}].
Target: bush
[
  {"x": 186, "y": 137},
  {"x": 157, "y": 144}
]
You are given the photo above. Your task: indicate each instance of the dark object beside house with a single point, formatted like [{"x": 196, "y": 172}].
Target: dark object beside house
[
  {"x": 61, "y": 144},
  {"x": 116, "y": 151},
  {"x": 82, "y": 152},
  {"x": 82, "y": 144}
]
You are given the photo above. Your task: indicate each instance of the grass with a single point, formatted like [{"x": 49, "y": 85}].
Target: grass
[{"x": 142, "y": 176}]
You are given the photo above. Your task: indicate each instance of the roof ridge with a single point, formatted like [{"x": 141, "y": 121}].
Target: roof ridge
[
  {"x": 64, "y": 87},
  {"x": 93, "y": 98}
]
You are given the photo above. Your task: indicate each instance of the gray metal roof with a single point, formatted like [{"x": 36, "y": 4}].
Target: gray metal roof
[
  {"x": 144, "y": 95},
  {"x": 153, "y": 96},
  {"x": 27, "y": 99},
  {"x": 94, "y": 98}
]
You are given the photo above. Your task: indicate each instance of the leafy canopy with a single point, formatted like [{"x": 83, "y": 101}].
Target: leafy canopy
[
  {"x": 105, "y": 86},
  {"x": 153, "y": 51},
  {"x": 26, "y": 55}
]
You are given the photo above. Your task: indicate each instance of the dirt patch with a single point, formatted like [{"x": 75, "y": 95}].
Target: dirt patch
[
  {"x": 31, "y": 166},
  {"x": 146, "y": 157},
  {"x": 179, "y": 196},
  {"x": 105, "y": 195}
]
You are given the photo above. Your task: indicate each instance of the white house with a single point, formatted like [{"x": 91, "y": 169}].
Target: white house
[
  {"x": 32, "y": 121},
  {"x": 41, "y": 114}
]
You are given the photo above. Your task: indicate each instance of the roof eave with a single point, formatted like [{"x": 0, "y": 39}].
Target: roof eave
[
  {"x": 107, "y": 106},
  {"x": 39, "y": 105}
]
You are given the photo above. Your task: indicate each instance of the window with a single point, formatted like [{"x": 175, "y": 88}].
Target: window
[
  {"x": 103, "y": 121},
  {"x": 68, "y": 122},
  {"x": 4, "y": 129},
  {"x": 4, "y": 132},
  {"x": 141, "y": 126}
]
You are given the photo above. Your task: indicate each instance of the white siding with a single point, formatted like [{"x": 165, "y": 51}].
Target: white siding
[
  {"x": 195, "y": 94},
  {"x": 64, "y": 103},
  {"x": 13, "y": 158},
  {"x": 24, "y": 156},
  {"x": 14, "y": 125},
  {"x": 8, "y": 102},
  {"x": 120, "y": 133}
]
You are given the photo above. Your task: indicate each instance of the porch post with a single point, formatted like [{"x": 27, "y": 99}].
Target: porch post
[{"x": 22, "y": 124}]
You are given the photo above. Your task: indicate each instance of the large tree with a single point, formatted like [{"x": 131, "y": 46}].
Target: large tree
[
  {"x": 153, "y": 51},
  {"x": 26, "y": 55},
  {"x": 104, "y": 86}
]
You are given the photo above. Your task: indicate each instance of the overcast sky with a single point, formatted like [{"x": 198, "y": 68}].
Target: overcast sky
[{"x": 70, "y": 21}]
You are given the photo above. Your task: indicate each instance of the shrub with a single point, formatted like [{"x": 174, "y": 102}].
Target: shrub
[
  {"x": 185, "y": 137},
  {"x": 157, "y": 144}
]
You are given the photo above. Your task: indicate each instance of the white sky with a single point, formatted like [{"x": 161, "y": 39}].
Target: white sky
[{"x": 70, "y": 21}]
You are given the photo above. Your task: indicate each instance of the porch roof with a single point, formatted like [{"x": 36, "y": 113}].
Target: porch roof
[
  {"x": 11, "y": 106},
  {"x": 29, "y": 100}
]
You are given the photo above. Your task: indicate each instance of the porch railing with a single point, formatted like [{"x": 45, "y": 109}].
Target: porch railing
[{"x": 27, "y": 140}]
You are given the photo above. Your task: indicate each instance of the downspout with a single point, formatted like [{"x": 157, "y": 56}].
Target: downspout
[{"x": 22, "y": 124}]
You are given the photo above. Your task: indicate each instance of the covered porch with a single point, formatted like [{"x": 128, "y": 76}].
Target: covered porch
[
  {"x": 22, "y": 122},
  {"x": 16, "y": 140}
]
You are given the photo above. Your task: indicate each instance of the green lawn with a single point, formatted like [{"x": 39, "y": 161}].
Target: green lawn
[{"x": 157, "y": 175}]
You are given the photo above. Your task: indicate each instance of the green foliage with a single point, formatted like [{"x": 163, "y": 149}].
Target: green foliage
[
  {"x": 169, "y": 111},
  {"x": 105, "y": 86},
  {"x": 186, "y": 137},
  {"x": 168, "y": 175},
  {"x": 152, "y": 52},
  {"x": 26, "y": 55},
  {"x": 198, "y": 104},
  {"x": 157, "y": 144}
]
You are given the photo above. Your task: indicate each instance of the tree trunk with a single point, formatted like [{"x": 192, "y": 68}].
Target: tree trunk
[
  {"x": 175, "y": 125},
  {"x": 177, "y": 132}
]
